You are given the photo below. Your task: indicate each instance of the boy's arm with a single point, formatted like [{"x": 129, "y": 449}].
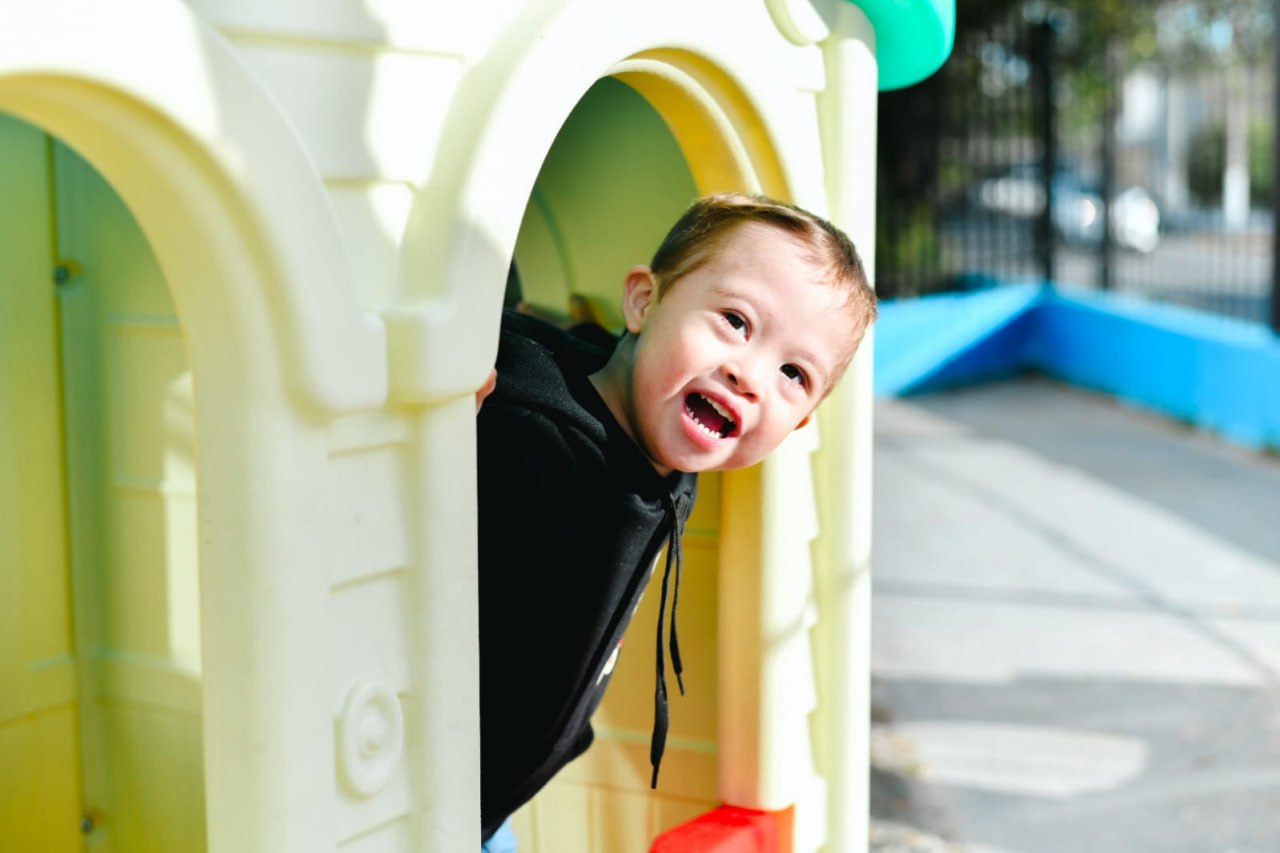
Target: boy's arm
[{"x": 532, "y": 577}]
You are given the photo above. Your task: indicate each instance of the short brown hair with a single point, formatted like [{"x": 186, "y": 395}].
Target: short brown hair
[{"x": 694, "y": 238}]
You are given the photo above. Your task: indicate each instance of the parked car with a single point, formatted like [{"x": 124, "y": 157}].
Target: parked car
[{"x": 1077, "y": 207}]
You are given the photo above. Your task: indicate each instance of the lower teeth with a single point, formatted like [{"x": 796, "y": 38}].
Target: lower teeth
[{"x": 711, "y": 431}]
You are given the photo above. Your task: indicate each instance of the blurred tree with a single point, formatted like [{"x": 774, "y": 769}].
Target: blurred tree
[{"x": 1235, "y": 35}]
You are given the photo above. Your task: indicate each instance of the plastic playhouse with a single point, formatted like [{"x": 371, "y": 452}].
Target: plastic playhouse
[{"x": 252, "y": 255}]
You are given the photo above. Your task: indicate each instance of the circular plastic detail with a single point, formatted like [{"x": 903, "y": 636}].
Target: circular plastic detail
[{"x": 370, "y": 738}]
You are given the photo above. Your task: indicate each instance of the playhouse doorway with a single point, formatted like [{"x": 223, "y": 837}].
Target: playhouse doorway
[
  {"x": 100, "y": 691},
  {"x": 612, "y": 184}
]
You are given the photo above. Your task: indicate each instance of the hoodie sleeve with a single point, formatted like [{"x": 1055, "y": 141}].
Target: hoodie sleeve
[{"x": 535, "y": 561}]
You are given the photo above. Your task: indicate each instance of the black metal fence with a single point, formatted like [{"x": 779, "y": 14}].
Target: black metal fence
[{"x": 995, "y": 169}]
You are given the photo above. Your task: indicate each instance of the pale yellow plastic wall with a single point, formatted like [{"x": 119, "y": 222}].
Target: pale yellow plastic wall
[
  {"x": 116, "y": 448},
  {"x": 39, "y": 773},
  {"x": 332, "y": 192}
]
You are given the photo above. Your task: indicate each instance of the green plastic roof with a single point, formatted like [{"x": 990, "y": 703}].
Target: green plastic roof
[{"x": 913, "y": 37}]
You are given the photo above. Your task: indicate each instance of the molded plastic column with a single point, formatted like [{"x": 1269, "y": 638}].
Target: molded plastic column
[
  {"x": 444, "y": 719},
  {"x": 263, "y": 589},
  {"x": 843, "y": 466}
]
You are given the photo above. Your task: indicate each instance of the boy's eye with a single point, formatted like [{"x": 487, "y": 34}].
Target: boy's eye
[
  {"x": 735, "y": 320},
  {"x": 795, "y": 374}
]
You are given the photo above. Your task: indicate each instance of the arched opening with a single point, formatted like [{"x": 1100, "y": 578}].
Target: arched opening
[
  {"x": 612, "y": 184},
  {"x": 632, "y": 155},
  {"x": 100, "y": 714},
  {"x": 240, "y": 225}
]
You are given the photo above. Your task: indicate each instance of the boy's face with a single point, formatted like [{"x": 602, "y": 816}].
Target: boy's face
[{"x": 735, "y": 355}]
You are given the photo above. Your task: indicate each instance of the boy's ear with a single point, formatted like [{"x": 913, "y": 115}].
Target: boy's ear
[{"x": 640, "y": 291}]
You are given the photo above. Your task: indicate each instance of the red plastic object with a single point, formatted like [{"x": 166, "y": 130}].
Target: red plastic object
[{"x": 729, "y": 829}]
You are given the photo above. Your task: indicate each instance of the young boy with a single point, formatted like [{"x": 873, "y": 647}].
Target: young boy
[{"x": 748, "y": 314}]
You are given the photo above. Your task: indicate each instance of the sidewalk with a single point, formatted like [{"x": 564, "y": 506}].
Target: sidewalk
[{"x": 1076, "y": 629}]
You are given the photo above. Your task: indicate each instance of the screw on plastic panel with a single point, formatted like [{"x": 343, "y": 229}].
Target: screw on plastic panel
[
  {"x": 66, "y": 271},
  {"x": 90, "y": 821}
]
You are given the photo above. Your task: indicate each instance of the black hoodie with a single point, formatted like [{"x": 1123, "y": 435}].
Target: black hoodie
[{"x": 572, "y": 518}]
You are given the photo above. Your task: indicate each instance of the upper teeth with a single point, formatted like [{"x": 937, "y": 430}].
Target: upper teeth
[{"x": 723, "y": 412}]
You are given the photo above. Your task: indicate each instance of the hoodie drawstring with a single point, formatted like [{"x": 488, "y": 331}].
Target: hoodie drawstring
[{"x": 658, "y": 745}]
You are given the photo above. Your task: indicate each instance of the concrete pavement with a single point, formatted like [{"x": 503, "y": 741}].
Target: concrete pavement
[{"x": 1076, "y": 629}]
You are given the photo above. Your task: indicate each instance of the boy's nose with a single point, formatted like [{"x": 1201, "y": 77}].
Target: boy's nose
[{"x": 740, "y": 380}]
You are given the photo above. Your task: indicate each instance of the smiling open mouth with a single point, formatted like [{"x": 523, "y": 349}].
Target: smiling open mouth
[{"x": 710, "y": 416}]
